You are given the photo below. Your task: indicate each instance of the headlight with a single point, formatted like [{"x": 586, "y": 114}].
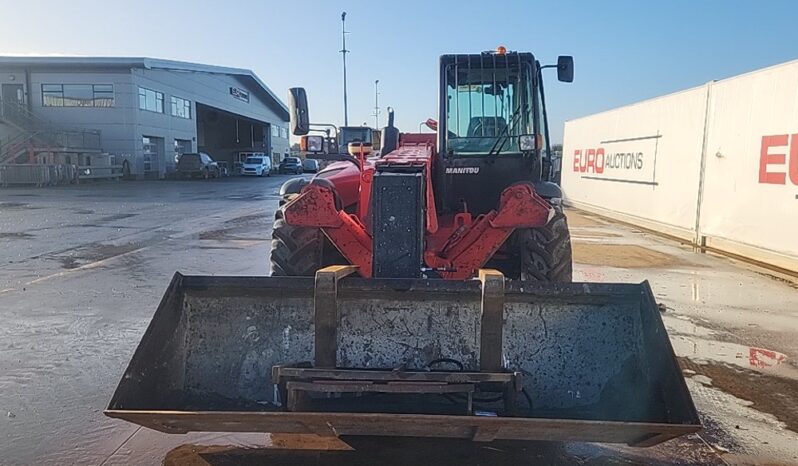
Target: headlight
[
  {"x": 526, "y": 142},
  {"x": 315, "y": 143}
]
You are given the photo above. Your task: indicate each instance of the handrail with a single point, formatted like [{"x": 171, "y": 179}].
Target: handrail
[{"x": 44, "y": 132}]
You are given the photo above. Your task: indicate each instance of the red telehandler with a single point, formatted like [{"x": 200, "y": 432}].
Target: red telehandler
[{"x": 423, "y": 291}]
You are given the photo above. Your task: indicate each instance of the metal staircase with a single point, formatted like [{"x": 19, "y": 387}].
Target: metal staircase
[{"x": 33, "y": 134}]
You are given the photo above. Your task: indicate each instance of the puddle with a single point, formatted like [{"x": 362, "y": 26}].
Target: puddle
[
  {"x": 83, "y": 211},
  {"x": 93, "y": 253},
  {"x": 702, "y": 345},
  {"x": 113, "y": 218},
  {"x": 623, "y": 256},
  {"x": 16, "y": 206},
  {"x": 233, "y": 229},
  {"x": 768, "y": 394},
  {"x": 15, "y": 235}
]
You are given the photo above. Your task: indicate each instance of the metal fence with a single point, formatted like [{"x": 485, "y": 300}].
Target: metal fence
[{"x": 37, "y": 175}]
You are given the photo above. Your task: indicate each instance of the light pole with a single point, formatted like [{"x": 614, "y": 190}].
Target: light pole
[
  {"x": 376, "y": 104},
  {"x": 344, "y": 52}
]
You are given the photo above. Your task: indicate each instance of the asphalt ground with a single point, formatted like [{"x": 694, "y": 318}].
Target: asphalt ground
[{"x": 82, "y": 269}]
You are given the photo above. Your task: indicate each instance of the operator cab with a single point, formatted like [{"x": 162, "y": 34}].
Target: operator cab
[{"x": 491, "y": 130}]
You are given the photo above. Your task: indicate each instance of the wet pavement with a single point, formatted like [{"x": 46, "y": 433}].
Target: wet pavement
[{"x": 82, "y": 270}]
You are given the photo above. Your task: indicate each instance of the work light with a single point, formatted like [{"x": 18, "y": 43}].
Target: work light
[{"x": 526, "y": 142}]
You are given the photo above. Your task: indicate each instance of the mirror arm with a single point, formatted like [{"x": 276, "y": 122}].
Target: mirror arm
[
  {"x": 545, "y": 119},
  {"x": 325, "y": 125}
]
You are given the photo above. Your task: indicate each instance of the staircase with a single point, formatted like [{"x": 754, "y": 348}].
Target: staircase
[{"x": 32, "y": 134}]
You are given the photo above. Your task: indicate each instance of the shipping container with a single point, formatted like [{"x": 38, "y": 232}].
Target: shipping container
[{"x": 716, "y": 165}]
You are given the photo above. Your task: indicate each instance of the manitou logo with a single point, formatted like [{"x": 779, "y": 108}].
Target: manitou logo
[
  {"x": 770, "y": 157},
  {"x": 462, "y": 170}
]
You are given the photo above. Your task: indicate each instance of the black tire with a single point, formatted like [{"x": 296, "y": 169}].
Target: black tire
[
  {"x": 299, "y": 251},
  {"x": 539, "y": 254}
]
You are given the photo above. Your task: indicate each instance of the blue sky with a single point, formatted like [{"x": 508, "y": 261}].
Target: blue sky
[{"x": 624, "y": 51}]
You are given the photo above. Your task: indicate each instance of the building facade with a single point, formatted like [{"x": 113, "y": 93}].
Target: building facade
[{"x": 142, "y": 111}]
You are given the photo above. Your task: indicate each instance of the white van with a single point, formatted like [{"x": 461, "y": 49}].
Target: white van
[
  {"x": 257, "y": 164},
  {"x": 310, "y": 165}
]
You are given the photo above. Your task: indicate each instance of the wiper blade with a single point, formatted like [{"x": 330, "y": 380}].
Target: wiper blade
[{"x": 503, "y": 137}]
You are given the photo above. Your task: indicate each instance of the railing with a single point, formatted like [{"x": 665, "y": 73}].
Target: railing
[
  {"x": 37, "y": 175},
  {"x": 42, "y": 133},
  {"x": 21, "y": 115}
]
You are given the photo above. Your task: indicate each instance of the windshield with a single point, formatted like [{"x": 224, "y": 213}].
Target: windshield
[
  {"x": 288, "y": 160},
  {"x": 488, "y": 107},
  {"x": 354, "y": 135},
  {"x": 254, "y": 161}
]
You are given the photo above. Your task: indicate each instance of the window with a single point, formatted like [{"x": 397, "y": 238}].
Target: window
[
  {"x": 275, "y": 131},
  {"x": 181, "y": 108},
  {"x": 150, "y": 100},
  {"x": 78, "y": 95},
  {"x": 488, "y": 107},
  {"x": 354, "y": 135},
  {"x": 283, "y": 133}
]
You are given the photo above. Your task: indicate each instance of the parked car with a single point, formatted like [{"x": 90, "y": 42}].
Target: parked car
[
  {"x": 197, "y": 164},
  {"x": 257, "y": 166},
  {"x": 291, "y": 165},
  {"x": 310, "y": 165}
]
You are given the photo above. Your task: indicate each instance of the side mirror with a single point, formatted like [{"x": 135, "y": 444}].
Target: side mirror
[
  {"x": 298, "y": 109},
  {"x": 565, "y": 68}
]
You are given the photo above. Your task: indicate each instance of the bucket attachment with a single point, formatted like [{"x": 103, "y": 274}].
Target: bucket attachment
[{"x": 481, "y": 359}]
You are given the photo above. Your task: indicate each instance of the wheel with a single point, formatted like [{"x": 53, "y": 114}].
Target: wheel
[
  {"x": 299, "y": 251},
  {"x": 538, "y": 254}
]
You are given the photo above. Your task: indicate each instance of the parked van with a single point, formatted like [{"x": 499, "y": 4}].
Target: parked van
[{"x": 257, "y": 165}]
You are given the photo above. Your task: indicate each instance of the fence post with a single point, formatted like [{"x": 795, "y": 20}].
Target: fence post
[{"x": 702, "y": 172}]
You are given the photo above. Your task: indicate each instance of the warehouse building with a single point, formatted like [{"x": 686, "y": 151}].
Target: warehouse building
[{"x": 141, "y": 111}]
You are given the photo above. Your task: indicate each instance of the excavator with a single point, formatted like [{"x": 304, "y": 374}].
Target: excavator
[{"x": 424, "y": 290}]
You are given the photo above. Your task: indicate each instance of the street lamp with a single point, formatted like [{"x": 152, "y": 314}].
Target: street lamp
[
  {"x": 376, "y": 103},
  {"x": 344, "y": 52}
]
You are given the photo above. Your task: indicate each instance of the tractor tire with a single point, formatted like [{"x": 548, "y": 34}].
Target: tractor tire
[
  {"x": 546, "y": 254},
  {"x": 299, "y": 251},
  {"x": 538, "y": 254}
]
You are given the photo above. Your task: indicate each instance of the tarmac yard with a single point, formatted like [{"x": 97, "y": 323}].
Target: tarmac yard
[{"x": 82, "y": 270}]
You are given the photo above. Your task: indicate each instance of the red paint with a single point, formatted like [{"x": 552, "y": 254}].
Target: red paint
[
  {"x": 600, "y": 160},
  {"x": 315, "y": 207},
  {"x": 766, "y": 158},
  {"x": 468, "y": 246},
  {"x": 794, "y": 159},
  {"x": 591, "y": 162},
  {"x": 762, "y": 358},
  {"x": 456, "y": 243}
]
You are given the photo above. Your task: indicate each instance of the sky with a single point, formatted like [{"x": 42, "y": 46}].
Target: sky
[{"x": 624, "y": 51}]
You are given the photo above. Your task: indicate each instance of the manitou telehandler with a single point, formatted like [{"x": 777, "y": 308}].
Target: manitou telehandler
[{"x": 422, "y": 292}]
